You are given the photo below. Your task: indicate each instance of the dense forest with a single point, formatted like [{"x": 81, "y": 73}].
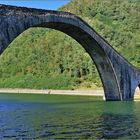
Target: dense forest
[{"x": 48, "y": 59}]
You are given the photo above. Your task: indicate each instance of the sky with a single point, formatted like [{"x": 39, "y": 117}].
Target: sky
[{"x": 42, "y": 4}]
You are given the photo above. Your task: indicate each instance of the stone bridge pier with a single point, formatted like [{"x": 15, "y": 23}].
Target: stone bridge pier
[{"x": 118, "y": 76}]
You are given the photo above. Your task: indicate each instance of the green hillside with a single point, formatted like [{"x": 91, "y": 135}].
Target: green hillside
[{"x": 44, "y": 58}]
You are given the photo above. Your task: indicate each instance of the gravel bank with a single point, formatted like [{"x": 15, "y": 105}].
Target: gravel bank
[{"x": 61, "y": 92}]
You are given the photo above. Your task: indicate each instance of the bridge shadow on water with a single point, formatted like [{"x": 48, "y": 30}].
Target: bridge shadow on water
[
  {"x": 119, "y": 126},
  {"x": 122, "y": 122},
  {"x": 118, "y": 121}
]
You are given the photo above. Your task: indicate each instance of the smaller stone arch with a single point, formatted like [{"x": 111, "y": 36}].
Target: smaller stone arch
[{"x": 137, "y": 92}]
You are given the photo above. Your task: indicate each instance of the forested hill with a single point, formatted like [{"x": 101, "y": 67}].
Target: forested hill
[{"x": 43, "y": 58}]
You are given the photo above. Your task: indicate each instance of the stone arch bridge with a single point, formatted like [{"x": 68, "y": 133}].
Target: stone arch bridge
[{"x": 118, "y": 76}]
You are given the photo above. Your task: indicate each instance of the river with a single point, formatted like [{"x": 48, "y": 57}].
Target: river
[{"x": 41, "y": 117}]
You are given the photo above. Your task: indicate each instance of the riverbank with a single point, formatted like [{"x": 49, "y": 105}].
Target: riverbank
[{"x": 59, "y": 92}]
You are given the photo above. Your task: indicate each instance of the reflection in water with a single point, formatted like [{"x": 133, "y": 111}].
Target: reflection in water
[
  {"x": 117, "y": 126},
  {"x": 119, "y": 121},
  {"x": 67, "y": 117}
]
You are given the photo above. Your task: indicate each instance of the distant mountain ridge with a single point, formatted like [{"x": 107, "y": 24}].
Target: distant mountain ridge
[{"x": 44, "y": 58}]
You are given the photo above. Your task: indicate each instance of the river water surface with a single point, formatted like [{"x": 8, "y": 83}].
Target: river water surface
[{"x": 41, "y": 117}]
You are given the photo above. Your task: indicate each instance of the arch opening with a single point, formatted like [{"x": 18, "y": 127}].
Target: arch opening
[
  {"x": 78, "y": 30},
  {"x": 137, "y": 93},
  {"x": 61, "y": 73}
]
